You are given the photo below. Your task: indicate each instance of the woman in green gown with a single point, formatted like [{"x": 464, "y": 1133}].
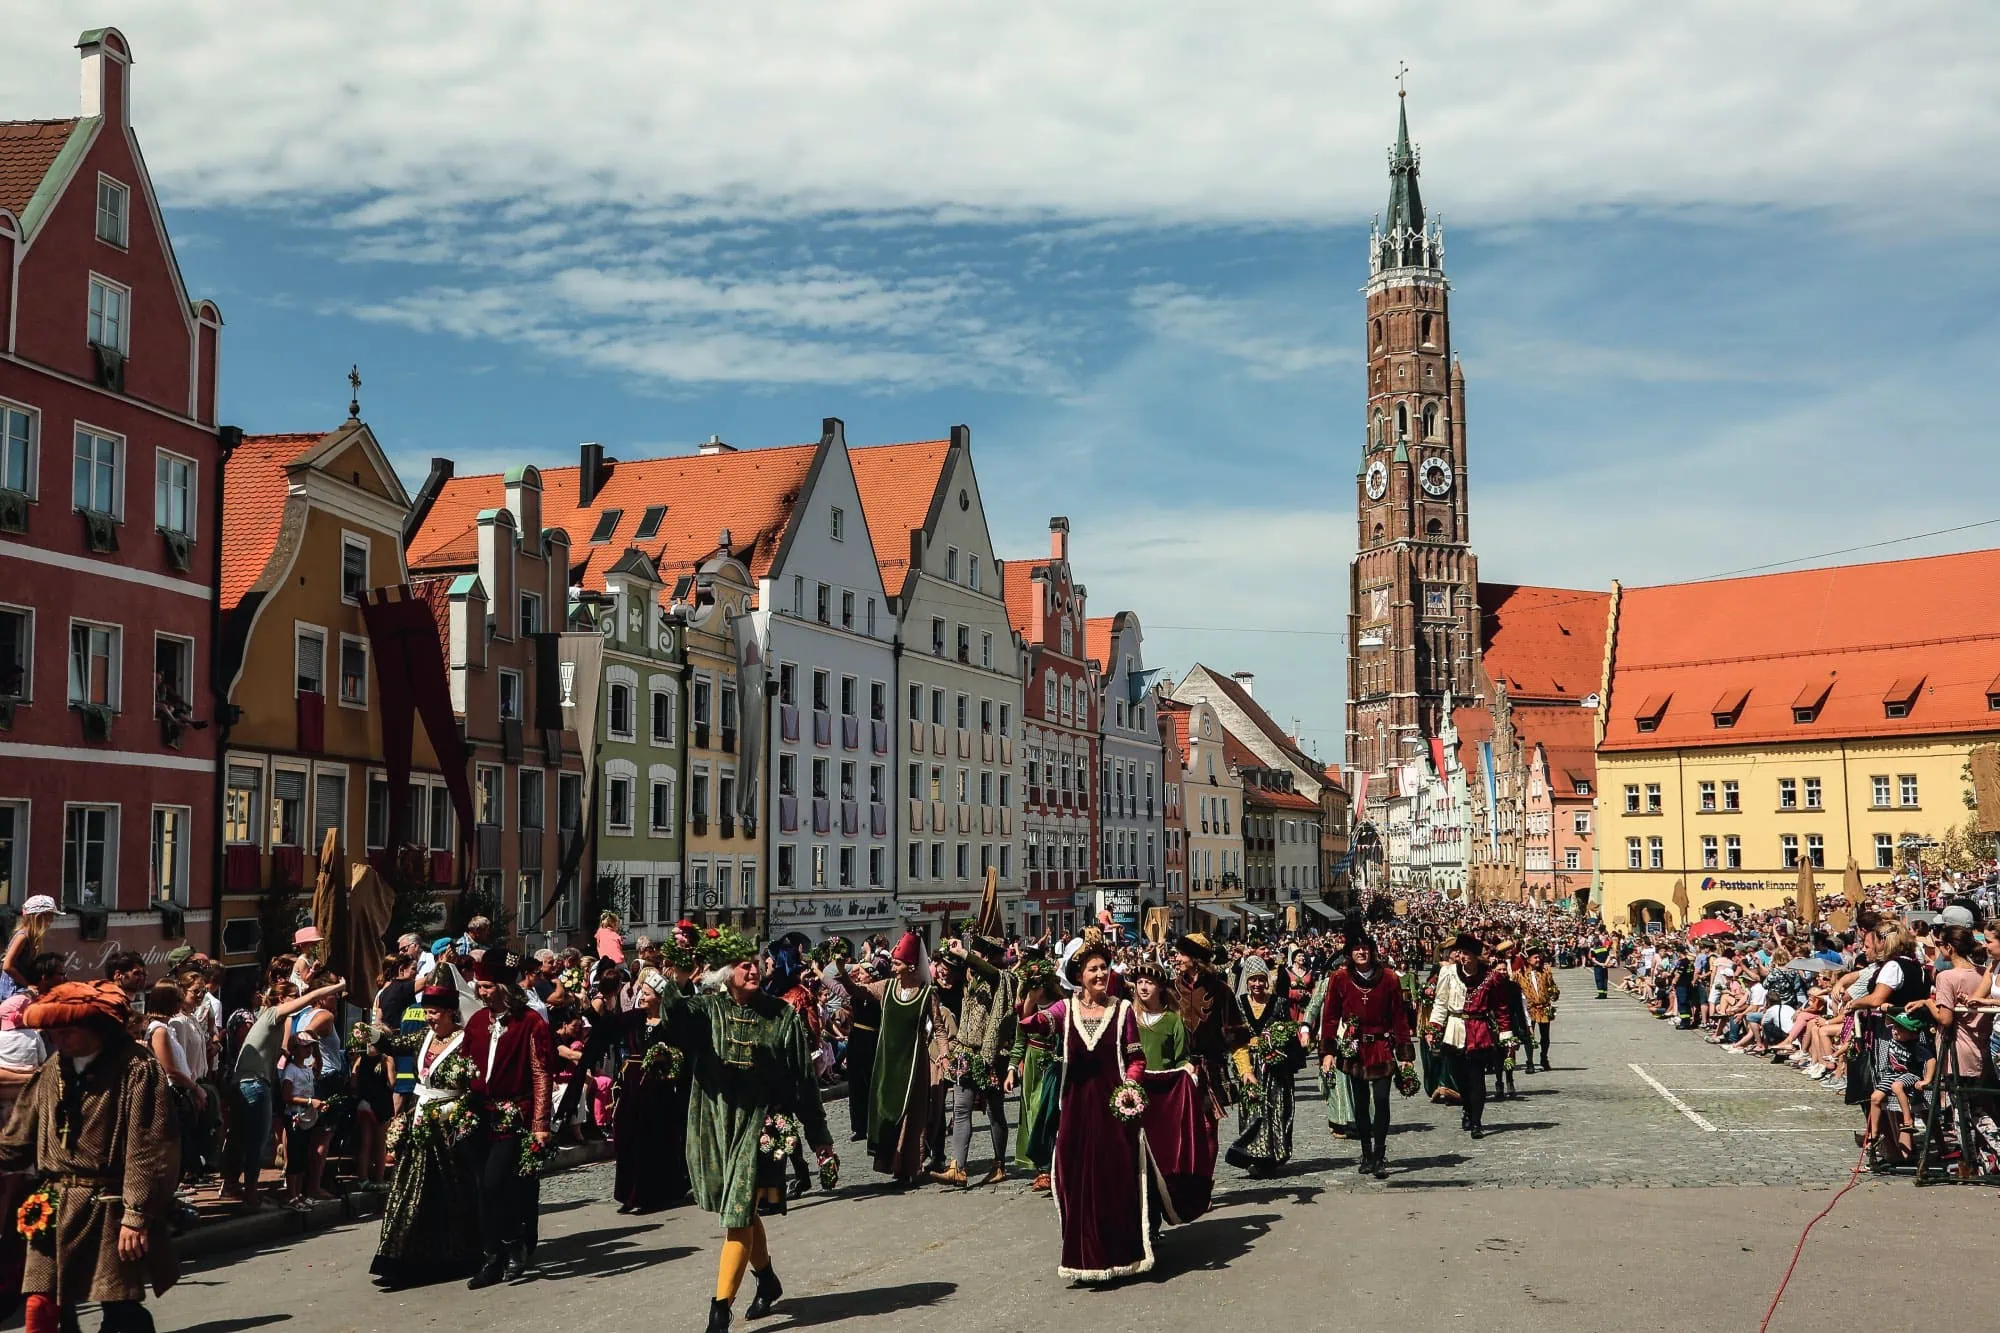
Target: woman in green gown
[
  {"x": 428, "y": 1234},
  {"x": 902, "y": 1086},
  {"x": 1037, "y": 1062},
  {"x": 752, "y": 1083}
]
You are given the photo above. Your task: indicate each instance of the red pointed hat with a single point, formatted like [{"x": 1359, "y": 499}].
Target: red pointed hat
[{"x": 909, "y": 950}]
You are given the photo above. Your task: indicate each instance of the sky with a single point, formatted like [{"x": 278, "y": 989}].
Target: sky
[{"x": 1724, "y": 276}]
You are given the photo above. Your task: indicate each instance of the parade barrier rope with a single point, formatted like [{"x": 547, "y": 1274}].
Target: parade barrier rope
[{"x": 1853, "y": 1179}]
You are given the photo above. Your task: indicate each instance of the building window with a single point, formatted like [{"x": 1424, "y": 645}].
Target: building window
[
  {"x": 533, "y": 797},
  {"x": 937, "y": 860},
  {"x": 1732, "y": 852},
  {"x": 619, "y": 704},
  {"x": 170, "y": 854},
  {"x": 288, "y": 808},
  {"x": 353, "y": 567},
  {"x": 330, "y": 808},
  {"x": 108, "y": 303},
  {"x": 1907, "y": 783},
  {"x": 1652, "y": 798},
  {"x": 649, "y": 523},
  {"x": 1885, "y": 852},
  {"x": 1789, "y": 845},
  {"x": 951, "y": 563},
  {"x": 1570, "y": 861},
  {"x": 846, "y": 609},
  {"x": 1711, "y": 854},
  {"x": 569, "y": 807},
  {"x": 916, "y": 861},
  {"x": 823, "y": 605},
  {"x": 510, "y": 697},
  {"x": 937, "y": 636},
  {"x": 607, "y": 523},
  {"x": 1707, "y": 790},
  {"x": 1816, "y": 850},
  {"x": 1788, "y": 794},
  {"x": 871, "y": 617},
  {"x": 90, "y": 856},
  {"x": 488, "y": 786},
  {"x": 96, "y": 484},
  {"x": 1634, "y": 855},
  {"x": 13, "y": 852},
  {"x": 1880, "y": 789},
  {"x": 747, "y": 885},
  {"x": 173, "y": 493},
  {"x": 239, "y": 804},
  {"x": 661, "y": 806},
  {"x": 1732, "y": 795},
  {"x": 846, "y": 867},
  {"x": 819, "y": 865},
  {"x": 1656, "y": 854},
  {"x": 1813, "y": 794},
  {"x": 531, "y": 613},
  {"x": 309, "y": 656},
  {"x": 354, "y": 671},
  {"x": 1631, "y": 798},
  {"x": 17, "y": 448},
  {"x": 113, "y": 213},
  {"x": 972, "y": 570},
  {"x": 94, "y": 652},
  {"x": 837, "y": 525},
  {"x": 618, "y": 804},
  {"x": 822, "y": 682},
  {"x": 877, "y": 863},
  {"x": 531, "y": 900},
  {"x": 788, "y": 859}
]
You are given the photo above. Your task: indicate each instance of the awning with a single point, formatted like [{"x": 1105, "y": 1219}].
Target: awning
[
  {"x": 1214, "y": 911},
  {"x": 1254, "y": 912},
  {"x": 1327, "y": 910}
]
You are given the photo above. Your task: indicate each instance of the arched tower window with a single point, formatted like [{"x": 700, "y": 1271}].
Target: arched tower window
[
  {"x": 1378, "y": 335},
  {"x": 1402, "y": 421},
  {"x": 1380, "y": 434},
  {"x": 1378, "y": 534},
  {"x": 1430, "y": 421},
  {"x": 1424, "y": 331},
  {"x": 1434, "y": 529}
]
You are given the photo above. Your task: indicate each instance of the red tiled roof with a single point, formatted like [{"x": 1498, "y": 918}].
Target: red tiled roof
[
  {"x": 750, "y": 491},
  {"x": 436, "y": 594},
  {"x": 1278, "y": 800},
  {"x": 1097, "y": 634},
  {"x": 1929, "y": 626},
  {"x": 1019, "y": 589},
  {"x": 28, "y": 148},
  {"x": 254, "y": 489},
  {"x": 897, "y": 483},
  {"x": 1178, "y": 716},
  {"x": 1542, "y": 643}
]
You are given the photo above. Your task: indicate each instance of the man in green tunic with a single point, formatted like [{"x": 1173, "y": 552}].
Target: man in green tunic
[{"x": 753, "y": 1086}]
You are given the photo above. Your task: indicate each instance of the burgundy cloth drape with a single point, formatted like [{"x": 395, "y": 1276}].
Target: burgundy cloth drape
[
  {"x": 1180, "y": 1141},
  {"x": 1100, "y": 1183},
  {"x": 312, "y": 723},
  {"x": 410, "y": 668},
  {"x": 241, "y": 868}
]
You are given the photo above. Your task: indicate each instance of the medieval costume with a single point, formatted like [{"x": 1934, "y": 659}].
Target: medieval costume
[
  {"x": 1333, "y": 1088},
  {"x": 1466, "y": 1017},
  {"x": 904, "y": 1076},
  {"x": 1177, "y": 1132},
  {"x": 1439, "y": 1085},
  {"x": 650, "y": 1116},
  {"x": 1366, "y": 1028},
  {"x": 1214, "y": 1023},
  {"x": 1513, "y": 1018},
  {"x": 980, "y": 1040},
  {"x": 512, "y": 1056},
  {"x": 1100, "y": 1184},
  {"x": 1539, "y": 994},
  {"x": 863, "y": 1030},
  {"x": 1265, "y": 1068},
  {"x": 100, "y": 1132},
  {"x": 752, "y": 1087},
  {"x": 786, "y": 980},
  {"x": 1037, "y": 1063},
  {"x": 430, "y": 1231}
]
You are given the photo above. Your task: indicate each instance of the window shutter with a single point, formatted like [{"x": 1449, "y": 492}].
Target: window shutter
[
  {"x": 288, "y": 785},
  {"x": 311, "y": 658},
  {"x": 329, "y": 806}
]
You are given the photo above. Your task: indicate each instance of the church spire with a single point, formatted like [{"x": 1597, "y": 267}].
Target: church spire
[{"x": 1405, "y": 239}]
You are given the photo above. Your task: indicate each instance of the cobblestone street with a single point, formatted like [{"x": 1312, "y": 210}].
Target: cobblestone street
[{"x": 1594, "y": 1202}]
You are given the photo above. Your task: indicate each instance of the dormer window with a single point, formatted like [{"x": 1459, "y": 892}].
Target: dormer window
[
  {"x": 607, "y": 523},
  {"x": 113, "y": 202},
  {"x": 1728, "y": 708},
  {"x": 649, "y": 523},
  {"x": 1902, "y": 696},
  {"x": 1650, "y": 712},
  {"x": 1805, "y": 708}
]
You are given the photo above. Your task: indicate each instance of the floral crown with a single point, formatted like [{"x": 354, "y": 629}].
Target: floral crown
[
  {"x": 677, "y": 955},
  {"x": 721, "y": 946}
]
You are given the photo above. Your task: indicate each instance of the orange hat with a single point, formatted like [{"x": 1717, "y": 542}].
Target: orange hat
[{"x": 75, "y": 1002}]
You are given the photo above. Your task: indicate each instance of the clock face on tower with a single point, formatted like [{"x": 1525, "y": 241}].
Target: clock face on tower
[
  {"x": 1378, "y": 479},
  {"x": 1436, "y": 476}
]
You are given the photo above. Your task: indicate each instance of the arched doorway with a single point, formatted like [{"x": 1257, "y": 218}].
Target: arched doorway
[
  {"x": 1647, "y": 916},
  {"x": 1723, "y": 911}
]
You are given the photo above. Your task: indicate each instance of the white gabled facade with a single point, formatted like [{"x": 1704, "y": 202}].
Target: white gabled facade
[{"x": 829, "y": 631}]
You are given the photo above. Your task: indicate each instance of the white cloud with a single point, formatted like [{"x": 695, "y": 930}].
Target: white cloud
[
  {"x": 1240, "y": 330},
  {"x": 1048, "y": 107}
]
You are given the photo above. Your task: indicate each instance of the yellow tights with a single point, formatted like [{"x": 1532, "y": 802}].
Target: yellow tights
[{"x": 742, "y": 1248}]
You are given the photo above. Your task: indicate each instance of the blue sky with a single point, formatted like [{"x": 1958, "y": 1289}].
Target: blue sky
[{"x": 1723, "y": 280}]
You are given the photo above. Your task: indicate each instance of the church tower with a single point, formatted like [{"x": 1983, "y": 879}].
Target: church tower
[{"x": 1413, "y": 626}]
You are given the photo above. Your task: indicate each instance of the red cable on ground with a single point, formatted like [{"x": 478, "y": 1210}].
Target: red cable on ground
[{"x": 1853, "y": 1179}]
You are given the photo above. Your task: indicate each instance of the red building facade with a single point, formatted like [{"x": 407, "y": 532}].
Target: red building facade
[
  {"x": 110, "y": 484},
  {"x": 1058, "y": 735}
]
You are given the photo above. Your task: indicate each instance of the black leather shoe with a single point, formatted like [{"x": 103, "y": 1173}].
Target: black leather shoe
[
  {"x": 521, "y": 1266},
  {"x": 718, "y": 1317},
  {"x": 490, "y": 1272},
  {"x": 1478, "y": 1132},
  {"x": 769, "y": 1292}
]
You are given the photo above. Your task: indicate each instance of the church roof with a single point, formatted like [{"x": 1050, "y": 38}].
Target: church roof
[{"x": 1543, "y": 643}]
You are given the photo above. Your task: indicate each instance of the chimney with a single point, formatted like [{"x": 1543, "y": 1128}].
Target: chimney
[
  {"x": 524, "y": 502},
  {"x": 427, "y": 494},
  {"x": 1247, "y": 679},
  {"x": 1058, "y": 538},
  {"x": 107, "y": 63},
  {"x": 713, "y": 445}
]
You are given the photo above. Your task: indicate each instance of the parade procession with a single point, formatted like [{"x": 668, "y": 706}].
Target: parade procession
[{"x": 642, "y": 823}]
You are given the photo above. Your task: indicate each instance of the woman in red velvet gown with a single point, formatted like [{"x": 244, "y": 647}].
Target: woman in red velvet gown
[{"x": 1100, "y": 1183}]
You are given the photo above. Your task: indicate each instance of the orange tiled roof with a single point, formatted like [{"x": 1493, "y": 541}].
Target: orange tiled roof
[
  {"x": 1863, "y": 632},
  {"x": 1542, "y": 643},
  {"x": 750, "y": 491},
  {"x": 897, "y": 483},
  {"x": 1254, "y": 795},
  {"x": 254, "y": 489},
  {"x": 28, "y": 148},
  {"x": 1097, "y": 635},
  {"x": 1178, "y": 715},
  {"x": 1019, "y": 589},
  {"x": 436, "y": 595}
]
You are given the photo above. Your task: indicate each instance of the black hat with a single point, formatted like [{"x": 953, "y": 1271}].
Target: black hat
[
  {"x": 1089, "y": 949},
  {"x": 1361, "y": 940},
  {"x": 990, "y": 949},
  {"x": 1467, "y": 942},
  {"x": 498, "y": 966},
  {"x": 1149, "y": 968}
]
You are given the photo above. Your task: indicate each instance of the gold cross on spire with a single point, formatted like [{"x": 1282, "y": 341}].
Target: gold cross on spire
[
  {"x": 354, "y": 385},
  {"x": 1401, "y": 70}
]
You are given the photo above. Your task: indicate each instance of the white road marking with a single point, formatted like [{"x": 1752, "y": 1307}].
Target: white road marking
[
  {"x": 1701, "y": 1121},
  {"x": 1793, "y": 1129}
]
